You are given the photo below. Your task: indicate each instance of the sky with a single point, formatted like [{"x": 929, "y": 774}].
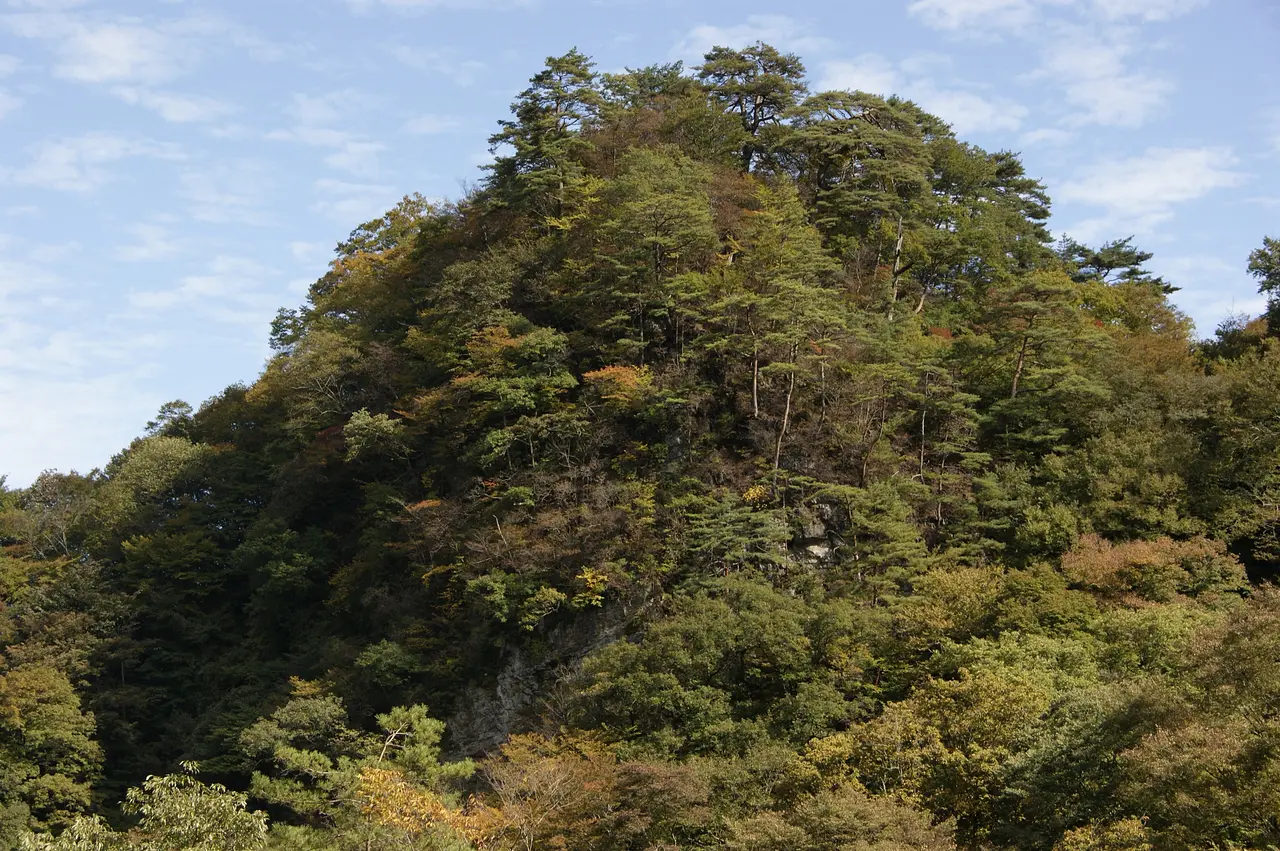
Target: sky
[{"x": 174, "y": 171}]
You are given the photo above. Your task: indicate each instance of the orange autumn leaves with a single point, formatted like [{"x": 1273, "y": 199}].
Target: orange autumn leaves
[{"x": 568, "y": 792}]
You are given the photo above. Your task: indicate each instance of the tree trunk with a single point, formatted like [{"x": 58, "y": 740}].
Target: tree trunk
[
  {"x": 897, "y": 267},
  {"x": 786, "y": 416},
  {"x": 1017, "y": 370},
  {"x": 755, "y": 377}
]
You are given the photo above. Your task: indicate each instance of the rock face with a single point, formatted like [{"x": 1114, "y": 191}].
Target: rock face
[
  {"x": 486, "y": 714},
  {"x": 817, "y": 535}
]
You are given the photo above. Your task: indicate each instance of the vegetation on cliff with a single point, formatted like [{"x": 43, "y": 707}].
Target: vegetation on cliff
[{"x": 739, "y": 466}]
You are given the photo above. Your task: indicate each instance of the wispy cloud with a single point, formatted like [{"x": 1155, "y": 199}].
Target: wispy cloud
[
  {"x": 313, "y": 117},
  {"x": 424, "y": 5},
  {"x": 1211, "y": 287},
  {"x": 8, "y": 102},
  {"x": 79, "y": 164},
  {"x": 1138, "y": 193},
  {"x": 957, "y": 15},
  {"x": 310, "y": 252},
  {"x": 781, "y": 31},
  {"x": 461, "y": 70},
  {"x": 133, "y": 57},
  {"x": 151, "y": 242},
  {"x": 1088, "y": 48},
  {"x": 233, "y": 290},
  {"x": 226, "y": 192},
  {"x": 985, "y": 17},
  {"x": 65, "y": 392},
  {"x": 966, "y": 109},
  {"x": 1046, "y": 136},
  {"x": 431, "y": 125},
  {"x": 1091, "y": 71},
  {"x": 1146, "y": 10},
  {"x": 869, "y": 72},
  {"x": 178, "y": 108},
  {"x": 353, "y": 202}
]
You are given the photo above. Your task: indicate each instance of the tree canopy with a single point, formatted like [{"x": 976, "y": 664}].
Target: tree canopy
[{"x": 737, "y": 466}]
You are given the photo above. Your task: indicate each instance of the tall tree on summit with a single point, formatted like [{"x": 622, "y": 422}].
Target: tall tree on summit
[
  {"x": 1115, "y": 262},
  {"x": 544, "y": 169},
  {"x": 1264, "y": 266},
  {"x": 757, "y": 83}
]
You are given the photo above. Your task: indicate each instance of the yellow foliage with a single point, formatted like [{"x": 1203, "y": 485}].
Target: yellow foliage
[
  {"x": 593, "y": 583},
  {"x": 618, "y": 383},
  {"x": 755, "y": 495},
  {"x": 386, "y": 797}
]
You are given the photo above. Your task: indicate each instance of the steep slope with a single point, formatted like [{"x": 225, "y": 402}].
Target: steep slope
[{"x": 744, "y": 458}]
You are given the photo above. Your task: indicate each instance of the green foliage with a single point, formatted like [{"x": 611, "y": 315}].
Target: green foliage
[
  {"x": 736, "y": 466},
  {"x": 314, "y": 765},
  {"x": 845, "y": 818},
  {"x": 368, "y": 434},
  {"x": 175, "y": 812}
]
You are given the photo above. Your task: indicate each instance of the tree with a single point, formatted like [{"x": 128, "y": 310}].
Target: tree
[
  {"x": 865, "y": 162},
  {"x": 175, "y": 812},
  {"x": 1035, "y": 353},
  {"x": 330, "y": 777},
  {"x": 1264, "y": 266},
  {"x": 543, "y": 171},
  {"x": 758, "y": 84},
  {"x": 845, "y": 818},
  {"x": 659, "y": 228},
  {"x": 1115, "y": 262}
]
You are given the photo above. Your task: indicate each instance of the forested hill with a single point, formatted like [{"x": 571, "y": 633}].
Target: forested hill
[{"x": 737, "y": 466}]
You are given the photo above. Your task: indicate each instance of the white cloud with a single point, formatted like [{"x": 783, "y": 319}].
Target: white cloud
[
  {"x": 967, "y": 111},
  {"x": 446, "y": 63},
  {"x": 133, "y": 58},
  {"x": 1147, "y": 10},
  {"x": 956, "y": 15},
  {"x": 357, "y": 158},
  {"x": 1211, "y": 288},
  {"x": 353, "y": 202},
  {"x": 233, "y": 290},
  {"x": 317, "y": 110},
  {"x": 48, "y": 5},
  {"x": 8, "y": 102},
  {"x": 354, "y": 154},
  {"x": 8, "y": 64},
  {"x": 66, "y": 395},
  {"x": 320, "y": 137},
  {"x": 180, "y": 109},
  {"x": 1047, "y": 136},
  {"x": 1091, "y": 71},
  {"x": 1138, "y": 193},
  {"x": 781, "y": 31},
  {"x": 74, "y": 420},
  {"x": 126, "y": 52},
  {"x": 988, "y": 16},
  {"x": 231, "y": 191},
  {"x": 867, "y": 73},
  {"x": 422, "y": 5},
  {"x": 1085, "y": 47},
  {"x": 78, "y": 164},
  {"x": 431, "y": 125},
  {"x": 310, "y": 252},
  {"x": 153, "y": 242}
]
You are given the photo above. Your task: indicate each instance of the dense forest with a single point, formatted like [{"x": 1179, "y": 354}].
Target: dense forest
[{"x": 735, "y": 466}]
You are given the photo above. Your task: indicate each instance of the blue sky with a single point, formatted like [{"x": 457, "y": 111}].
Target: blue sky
[{"x": 173, "y": 171}]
